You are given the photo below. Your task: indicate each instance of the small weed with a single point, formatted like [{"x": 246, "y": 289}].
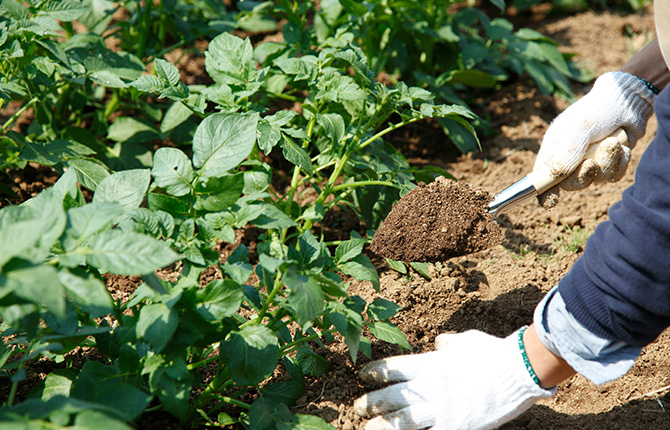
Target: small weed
[{"x": 571, "y": 239}]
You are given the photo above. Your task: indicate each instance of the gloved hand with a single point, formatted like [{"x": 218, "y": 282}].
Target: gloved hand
[
  {"x": 472, "y": 381},
  {"x": 617, "y": 100}
]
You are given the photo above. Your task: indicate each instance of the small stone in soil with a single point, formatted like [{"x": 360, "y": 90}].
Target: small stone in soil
[{"x": 437, "y": 221}]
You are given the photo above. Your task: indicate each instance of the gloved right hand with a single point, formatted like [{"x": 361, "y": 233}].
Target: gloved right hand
[{"x": 617, "y": 100}]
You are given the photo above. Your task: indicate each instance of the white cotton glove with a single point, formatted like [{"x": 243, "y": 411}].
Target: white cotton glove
[
  {"x": 472, "y": 381},
  {"x": 617, "y": 100}
]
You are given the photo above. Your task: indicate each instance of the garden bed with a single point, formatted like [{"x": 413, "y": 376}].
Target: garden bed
[{"x": 494, "y": 290}]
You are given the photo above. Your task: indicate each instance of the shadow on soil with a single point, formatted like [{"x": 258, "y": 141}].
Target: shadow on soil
[{"x": 634, "y": 415}]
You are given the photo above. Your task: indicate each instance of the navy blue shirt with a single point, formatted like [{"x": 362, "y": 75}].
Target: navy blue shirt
[{"x": 620, "y": 287}]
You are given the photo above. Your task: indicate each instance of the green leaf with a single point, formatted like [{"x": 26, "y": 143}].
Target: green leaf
[
  {"x": 389, "y": 333},
  {"x": 169, "y": 204},
  {"x": 88, "y": 292},
  {"x": 361, "y": 268},
  {"x": 251, "y": 354},
  {"x": 19, "y": 237},
  {"x": 472, "y": 78},
  {"x": 229, "y": 60},
  {"x": 219, "y": 299},
  {"x": 176, "y": 115},
  {"x": 333, "y": 125},
  {"x": 104, "y": 384},
  {"x": 127, "y": 187},
  {"x": 95, "y": 420},
  {"x": 127, "y": 253},
  {"x": 382, "y": 309},
  {"x": 172, "y": 170},
  {"x": 87, "y": 220},
  {"x": 461, "y": 133},
  {"x": 296, "y": 154},
  {"x": 37, "y": 284},
  {"x": 222, "y": 141},
  {"x": 310, "y": 362},
  {"x": 89, "y": 172},
  {"x": 307, "y": 422},
  {"x": 126, "y": 129},
  {"x": 349, "y": 249},
  {"x": 167, "y": 71},
  {"x": 156, "y": 325},
  {"x": 217, "y": 194},
  {"x": 500, "y": 4},
  {"x": 63, "y": 10},
  {"x": 305, "y": 298},
  {"x": 270, "y": 216},
  {"x": 57, "y": 383},
  {"x": 398, "y": 266},
  {"x": 421, "y": 268},
  {"x": 149, "y": 84},
  {"x": 38, "y": 153}
]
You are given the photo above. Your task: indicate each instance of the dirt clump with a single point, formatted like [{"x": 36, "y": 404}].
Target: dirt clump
[{"x": 437, "y": 221}]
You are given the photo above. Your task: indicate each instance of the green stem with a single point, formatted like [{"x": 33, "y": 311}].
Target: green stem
[
  {"x": 289, "y": 346},
  {"x": 201, "y": 363},
  {"x": 347, "y": 185},
  {"x": 232, "y": 401},
  {"x": 18, "y": 113},
  {"x": 144, "y": 34},
  {"x": 269, "y": 300},
  {"x": 387, "y": 130},
  {"x": 113, "y": 103}
]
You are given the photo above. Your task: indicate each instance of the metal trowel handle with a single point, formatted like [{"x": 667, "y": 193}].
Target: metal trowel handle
[{"x": 539, "y": 181}]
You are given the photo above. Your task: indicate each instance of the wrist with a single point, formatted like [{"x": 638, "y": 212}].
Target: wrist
[{"x": 549, "y": 368}]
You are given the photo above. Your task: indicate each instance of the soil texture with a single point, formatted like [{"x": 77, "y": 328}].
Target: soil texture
[{"x": 436, "y": 222}]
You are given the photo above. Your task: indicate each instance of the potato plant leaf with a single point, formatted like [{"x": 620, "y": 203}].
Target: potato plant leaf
[
  {"x": 306, "y": 297},
  {"x": 382, "y": 309},
  {"x": 389, "y": 333},
  {"x": 156, "y": 325},
  {"x": 251, "y": 354},
  {"x": 127, "y": 253},
  {"x": 222, "y": 141},
  {"x": 219, "y": 299},
  {"x": 172, "y": 171},
  {"x": 127, "y": 187},
  {"x": 361, "y": 268},
  {"x": 296, "y": 154}
]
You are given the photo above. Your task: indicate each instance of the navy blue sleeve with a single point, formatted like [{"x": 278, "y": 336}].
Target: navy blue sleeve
[{"x": 620, "y": 287}]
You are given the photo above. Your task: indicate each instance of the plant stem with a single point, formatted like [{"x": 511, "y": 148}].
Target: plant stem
[
  {"x": 201, "y": 363},
  {"x": 347, "y": 185},
  {"x": 270, "y": 299},
  {"x": 232, "y": 401},
  {"x": 387, "y": 130},
  {"x": 18, "y": 113},
  {"x": 289, "y": 346},
  {"x": 144, "y": 33}
]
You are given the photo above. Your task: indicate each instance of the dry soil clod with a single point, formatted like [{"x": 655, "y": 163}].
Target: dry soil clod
[{"x": 437, "y": 221}]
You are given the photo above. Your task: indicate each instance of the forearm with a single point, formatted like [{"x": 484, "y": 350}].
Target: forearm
[{"x": 648, "y": 64}]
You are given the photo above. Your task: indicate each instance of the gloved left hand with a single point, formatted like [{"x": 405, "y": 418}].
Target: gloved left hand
[{"x": 472, "y": 381}]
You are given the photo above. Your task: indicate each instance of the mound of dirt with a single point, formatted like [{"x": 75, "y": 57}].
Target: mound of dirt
[{"x": 436, "y": 222}]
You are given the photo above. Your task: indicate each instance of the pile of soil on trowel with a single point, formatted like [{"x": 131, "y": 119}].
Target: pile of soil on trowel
[{"x": 436, "y": 222}]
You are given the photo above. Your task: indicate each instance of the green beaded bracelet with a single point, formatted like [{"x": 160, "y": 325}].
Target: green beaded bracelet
[
  {"x": 526, "y": 362},
  {"x": 651, "y": 86}
]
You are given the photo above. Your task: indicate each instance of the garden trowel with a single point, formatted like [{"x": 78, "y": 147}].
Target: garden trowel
[{"x": 539, "y": 181}]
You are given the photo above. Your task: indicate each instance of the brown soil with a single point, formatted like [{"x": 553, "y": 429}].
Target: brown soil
[
  {"x": 497, "y": 289},
  {"x": 436, "y": 222}
]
